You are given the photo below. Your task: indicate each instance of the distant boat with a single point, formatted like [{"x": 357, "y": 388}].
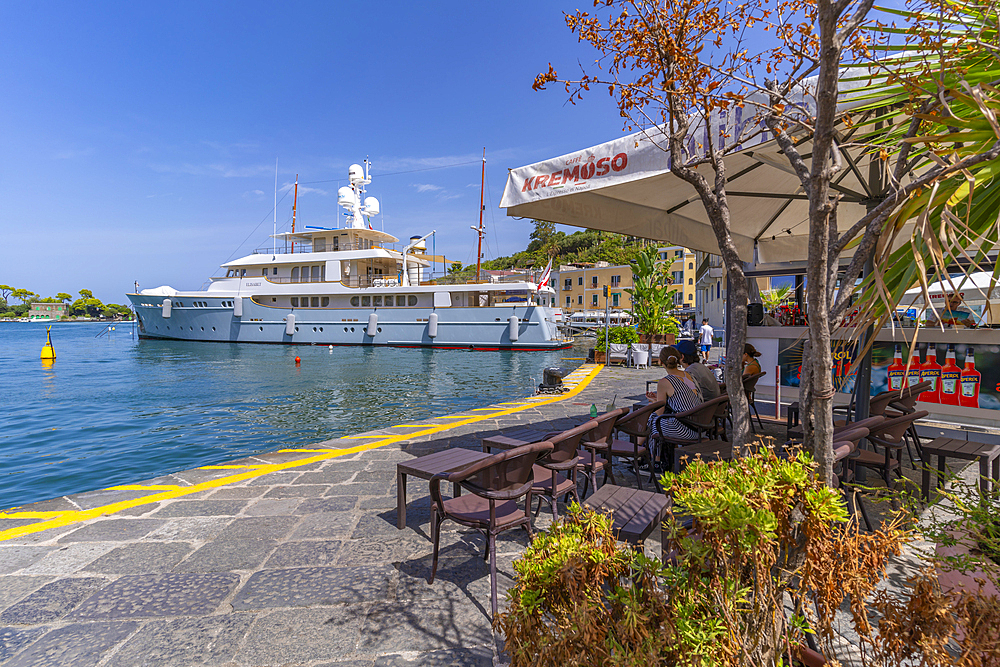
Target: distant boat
[{"x": 351, "y": 286}]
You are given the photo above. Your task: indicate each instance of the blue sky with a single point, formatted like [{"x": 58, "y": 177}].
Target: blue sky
[{"x": 139, "y": 139}]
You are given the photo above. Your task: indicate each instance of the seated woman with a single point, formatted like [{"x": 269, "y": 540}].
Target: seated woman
[
  {"x": 750, "y": 364},
  {"x": 680, "y": 391}
]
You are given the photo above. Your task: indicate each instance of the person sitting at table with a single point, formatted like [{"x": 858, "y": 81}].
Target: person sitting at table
[
  {"x": 750, "y": 364},
  {"x": 705, "y": 379},
  {"x": 680, "y": 392}
]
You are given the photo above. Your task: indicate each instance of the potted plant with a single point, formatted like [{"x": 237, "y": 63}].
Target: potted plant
[
  {"x": 623, "y": 335},
  {"x": 653, "y": 299}
]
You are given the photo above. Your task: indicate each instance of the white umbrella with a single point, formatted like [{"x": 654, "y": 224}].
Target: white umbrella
[{"x": 972, "y": 288}]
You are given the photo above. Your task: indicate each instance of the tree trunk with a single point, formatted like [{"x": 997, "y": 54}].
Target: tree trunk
[{"x": 738, "y": 294}]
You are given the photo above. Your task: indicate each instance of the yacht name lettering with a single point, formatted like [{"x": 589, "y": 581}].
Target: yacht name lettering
[
  {"x": 578, "y": 173},
  {"x": 256, "y": 284}
]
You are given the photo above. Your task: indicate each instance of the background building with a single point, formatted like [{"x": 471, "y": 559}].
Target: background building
[
  {"x": 43, "y": 311},
  {"x": 580, "y": 287}
]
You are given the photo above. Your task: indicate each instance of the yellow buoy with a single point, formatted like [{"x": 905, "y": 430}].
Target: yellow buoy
[{"x": 48, "y": 352}]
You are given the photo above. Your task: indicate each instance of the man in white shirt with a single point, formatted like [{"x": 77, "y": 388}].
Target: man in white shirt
[{"x": 706, "y": 338}]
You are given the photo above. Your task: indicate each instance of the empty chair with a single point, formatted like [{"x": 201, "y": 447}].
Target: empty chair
[
  {"x": 495, "y": 484},
  {"x": 889, "y": 435},
  {"x": 594, "y": 447},
  {"x": 640, "y": 355},
  {"x": 617, "y": 352},
  {"x": 555, "y": 473},
  {"x": 635, "y": 425}
]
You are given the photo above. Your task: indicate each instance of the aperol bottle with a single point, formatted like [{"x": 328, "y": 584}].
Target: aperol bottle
[
  {"x": 970, "y": 381},
  {"x": 897, "y": 370},
  {"x": 913, "y": 374},
  {"x": 931, "y": 370},
  {"x": 951, "y": 376}
]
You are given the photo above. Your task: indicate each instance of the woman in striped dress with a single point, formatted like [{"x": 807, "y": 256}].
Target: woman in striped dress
[{"x": 681, "y": 393}]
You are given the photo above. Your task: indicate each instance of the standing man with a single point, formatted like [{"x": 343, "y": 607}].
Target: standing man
[{"x": 706, "y": 338}]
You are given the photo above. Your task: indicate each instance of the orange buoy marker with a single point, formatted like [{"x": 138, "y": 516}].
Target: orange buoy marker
[
  {"x": 297, "y": 361},
  {"x": 48, "y": 352}
]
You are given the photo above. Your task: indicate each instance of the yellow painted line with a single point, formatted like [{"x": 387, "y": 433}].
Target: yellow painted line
[
  {"x": 231, "y": 467},
  {"x": 32, "y": 515},
  {"x": 72, "y": 517},
  {"x": 450, "y": 417},
  {"x": 295, "y": 451},
  {"x": 145, "y": 487}
]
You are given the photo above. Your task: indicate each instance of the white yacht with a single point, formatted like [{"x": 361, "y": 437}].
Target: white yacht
[{"x": 351, "y": 286}]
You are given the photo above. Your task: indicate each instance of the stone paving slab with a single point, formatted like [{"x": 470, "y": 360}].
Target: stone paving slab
[{"x": 301, "y": 567}]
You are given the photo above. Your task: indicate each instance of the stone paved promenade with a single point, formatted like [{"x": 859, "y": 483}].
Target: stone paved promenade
[{"x": 287, "y": 558}]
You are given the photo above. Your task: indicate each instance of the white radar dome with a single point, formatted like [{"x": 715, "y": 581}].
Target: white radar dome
[
  {"x": 371, "y": 206},
  {"x": 356, "y": 173},
  {"x": 346, "y": 197}
]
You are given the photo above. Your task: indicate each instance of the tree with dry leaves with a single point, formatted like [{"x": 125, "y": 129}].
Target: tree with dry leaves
[{"x": 677, "y": 67}]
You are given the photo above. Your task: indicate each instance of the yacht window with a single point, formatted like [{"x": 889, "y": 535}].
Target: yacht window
[
  {"x": 305, "y": 302},
  {"x": 326, "y": 301},
  {"x": 305, "y": 274},
  {"x": 319, "y": 245},
  {"x": 322, "y": 272},
  {"x": 366, "y": 301},
  {"x": 264, "y": 272},
  {"x": 315, "y": 302},
  {"x": 274, "y": 271},
  {"x": 413, "y": 300},
  {"x": 400, "y": 299},
  {"x": 376, "y": 301},
  {"x": 295, "y": 302},
  {"x": 355, "y": 301},
  {"x": 243, "y": 272},
  {"x": 315, "y": 274},
  {"x": 336, "y": 243},
  {"x": 295, "y": 274}
]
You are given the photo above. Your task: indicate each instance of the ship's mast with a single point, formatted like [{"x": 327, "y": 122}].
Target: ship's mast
[
  {"x": 481, "y": 230},
  {"x": 295, "y": 203}
]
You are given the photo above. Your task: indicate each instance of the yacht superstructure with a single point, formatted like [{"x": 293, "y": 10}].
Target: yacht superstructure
[{"x": 350, "y": 286}]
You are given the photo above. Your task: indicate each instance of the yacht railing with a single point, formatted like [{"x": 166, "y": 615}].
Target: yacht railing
[{"x": 329, "y": 247}]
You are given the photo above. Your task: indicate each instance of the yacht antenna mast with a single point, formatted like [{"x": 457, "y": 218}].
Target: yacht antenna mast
[
  {"x": 479, "y": 230},
  {"x": 274, "y": 234},
  {"x": 295, "y": 202}
]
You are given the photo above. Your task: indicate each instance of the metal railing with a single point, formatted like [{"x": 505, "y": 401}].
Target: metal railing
[{"x": 309, "y": 248}]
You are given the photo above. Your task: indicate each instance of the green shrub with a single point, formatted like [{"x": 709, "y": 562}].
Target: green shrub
[
  {"x": 626, "y": 335},
  {"x": 747, "y": 537}
]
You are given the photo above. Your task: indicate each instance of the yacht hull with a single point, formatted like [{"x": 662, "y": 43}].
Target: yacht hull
[{"x": 482, "y": 328}]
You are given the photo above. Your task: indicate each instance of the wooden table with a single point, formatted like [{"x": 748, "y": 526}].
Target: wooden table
[
  {"x": 425, "y": 467},
  {"x": 515, "y": 437},
  {"x": 634, "y": 513},
  {"x": 944, "y": 448}
]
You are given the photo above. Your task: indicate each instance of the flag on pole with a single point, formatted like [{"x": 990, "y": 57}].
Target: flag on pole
[{"x": 544, "y": 280}]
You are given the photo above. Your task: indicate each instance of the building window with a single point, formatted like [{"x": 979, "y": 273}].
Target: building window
[
  {"x": 717, "y": 287},
  {"x": 568, "y": 284},
  {"x": 580, "y": 280},
  {"x": 567, "y": 302},
  {"x": 678, "y": 277},
  {"x": 593, "y": 282},
  {"x": 614, "y": 300},
  {"x": 594, "y": 301},
  {"x": 691, "y": 266},
  {"x": 690, "y": 297},
  {"x": 678, "y": 253},
  {"x": 690, "y": 281},
  {"x": 616, "y": 281},
  {"x": 579, "y": 300}
]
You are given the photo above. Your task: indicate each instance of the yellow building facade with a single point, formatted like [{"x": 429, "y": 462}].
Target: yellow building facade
[{"x": 580, "y": 287}]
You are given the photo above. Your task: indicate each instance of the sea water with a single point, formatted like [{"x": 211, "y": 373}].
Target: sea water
[{"x": 113, "y": 409}]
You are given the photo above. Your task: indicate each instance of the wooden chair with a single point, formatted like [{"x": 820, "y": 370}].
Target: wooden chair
[
  {"x": 889, "y": 435},
  {"x": 555, "y": 473},
  {"x": 843, "y": 448},
  {"x": 635, "y": 425},
  {"x": 750, "y": 388},
  {"x": 495, "y": 485},
  {"x": 701, "y": 419},
  {"x": 594, "y": 448}
]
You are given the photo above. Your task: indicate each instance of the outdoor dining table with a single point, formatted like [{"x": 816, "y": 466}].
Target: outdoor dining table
[
  {"x": 425, "y": 467},
  {"x": 512, "y": 438},
  {"x": 634, "y": 513},
  {"x": 988, "y": 456}
]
